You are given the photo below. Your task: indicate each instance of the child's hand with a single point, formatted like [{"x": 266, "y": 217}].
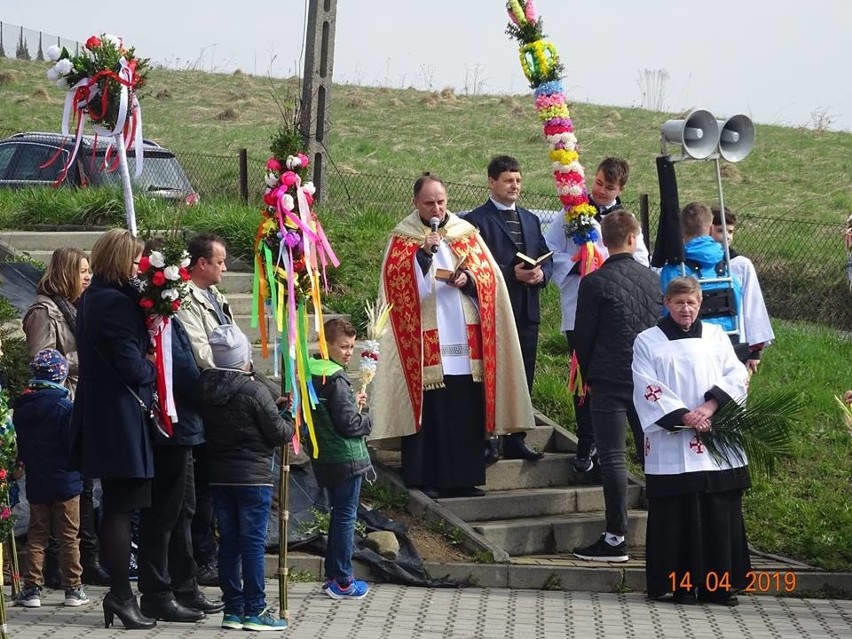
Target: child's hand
[{"x": 361, "y": 399}]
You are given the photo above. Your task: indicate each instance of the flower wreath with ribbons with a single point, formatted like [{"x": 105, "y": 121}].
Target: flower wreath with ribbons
[
  {"x": 102, "y": 83},
  {"x": 163, "y": 278}
]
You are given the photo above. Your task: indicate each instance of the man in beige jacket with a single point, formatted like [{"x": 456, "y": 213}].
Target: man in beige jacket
[{"x": 207, "y": 307}]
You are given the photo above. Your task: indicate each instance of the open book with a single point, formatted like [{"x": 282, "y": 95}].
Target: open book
[
  {"x": 530, "y": 262},
  {"x": 447, "y": 275}
]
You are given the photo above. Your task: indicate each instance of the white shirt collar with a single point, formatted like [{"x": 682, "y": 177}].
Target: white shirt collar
[{"x": 501, "y": 207}]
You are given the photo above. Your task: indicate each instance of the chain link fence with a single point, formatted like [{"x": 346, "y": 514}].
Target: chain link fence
[
  {"x": 801, "y": 264},
  {"x": 26, "y": 44}
]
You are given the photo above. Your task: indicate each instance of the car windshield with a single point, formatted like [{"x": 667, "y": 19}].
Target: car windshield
[{"x": 160, "y": 172}]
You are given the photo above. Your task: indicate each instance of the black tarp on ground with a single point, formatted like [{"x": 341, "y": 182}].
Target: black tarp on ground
[{"x": 306, "y": 496}]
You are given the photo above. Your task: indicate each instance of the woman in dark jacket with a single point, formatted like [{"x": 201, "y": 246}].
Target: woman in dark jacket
[
  {"x": 114, "y": 393},
  {"x": 167, "y": 570}
]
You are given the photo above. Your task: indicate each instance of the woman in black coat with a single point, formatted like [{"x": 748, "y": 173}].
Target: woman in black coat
[{"x": 113, "y": 439}]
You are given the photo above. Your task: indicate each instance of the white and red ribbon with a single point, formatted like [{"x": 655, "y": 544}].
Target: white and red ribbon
[
  {"x": 128, "y": 122},
  {"x": 160, "y": 330}
]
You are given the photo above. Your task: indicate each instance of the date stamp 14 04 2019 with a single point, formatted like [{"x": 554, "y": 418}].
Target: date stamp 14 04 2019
[{"x": 756, "y": 581}]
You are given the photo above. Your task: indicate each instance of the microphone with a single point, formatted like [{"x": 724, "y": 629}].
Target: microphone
[{"x": 433, "y": 224}]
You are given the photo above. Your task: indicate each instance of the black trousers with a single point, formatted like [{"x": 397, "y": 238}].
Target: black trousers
[
  {"x": 612, "y": 409},
  {"x": 447, "y": 450},
  {"x": 203, "y": 538},
  {"x": 528, "y": 338},
  {"x": 165, "y": 557}
]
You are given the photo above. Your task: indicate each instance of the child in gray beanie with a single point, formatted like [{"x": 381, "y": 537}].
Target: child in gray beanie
[{"x": 242, "y": 427}]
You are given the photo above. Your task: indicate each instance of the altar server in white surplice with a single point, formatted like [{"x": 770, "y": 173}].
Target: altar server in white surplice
[{"x": 684, "y": 370}]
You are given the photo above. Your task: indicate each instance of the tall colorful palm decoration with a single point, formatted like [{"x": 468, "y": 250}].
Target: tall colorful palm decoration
[{"x": 541, "y": 65}]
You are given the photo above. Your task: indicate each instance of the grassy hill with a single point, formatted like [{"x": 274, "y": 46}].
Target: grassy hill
[
  {"x": 392, "y": 132},
  {"x": 793, "y": 177}
]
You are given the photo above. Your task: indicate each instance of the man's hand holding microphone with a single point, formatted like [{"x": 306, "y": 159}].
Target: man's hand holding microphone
[{"x": 433, "y": 239}]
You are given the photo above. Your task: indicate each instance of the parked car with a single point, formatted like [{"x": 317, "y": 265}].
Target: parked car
[{"x": 25, "y": 160}]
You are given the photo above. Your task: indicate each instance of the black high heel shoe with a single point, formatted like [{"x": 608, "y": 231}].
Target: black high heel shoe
[{"x": 127, "y": 611}]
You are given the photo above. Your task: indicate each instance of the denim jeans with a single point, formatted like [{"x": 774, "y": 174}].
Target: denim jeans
[
  {"x": 243, "y": 513},
  {"x": 343, "y": 498}
]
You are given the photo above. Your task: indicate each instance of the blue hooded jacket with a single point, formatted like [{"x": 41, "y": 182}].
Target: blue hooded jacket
[
  {"x": 705, "y": 253},
  {"x": 42, "y": 418}
]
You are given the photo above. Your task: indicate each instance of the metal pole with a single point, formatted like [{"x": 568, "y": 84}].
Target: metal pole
[
  {"x": 14, "y": 569},
  {"x": 283, "y": 533},
  {"x": 740, "y": 331},
  {"x": 244, "y": 193},
  {"x": 127, "y": 189}
]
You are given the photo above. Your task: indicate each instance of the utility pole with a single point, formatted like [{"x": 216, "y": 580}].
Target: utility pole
[{"x": 316, "y": 85}]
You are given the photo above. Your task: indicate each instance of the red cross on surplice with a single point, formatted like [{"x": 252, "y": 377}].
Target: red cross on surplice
[
  {"x": 653, "y": 393},
  {"x": 696, "y": 445}
]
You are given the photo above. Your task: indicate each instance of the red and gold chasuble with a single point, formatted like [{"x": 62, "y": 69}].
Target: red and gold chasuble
[{"x": 419, "y": 348}]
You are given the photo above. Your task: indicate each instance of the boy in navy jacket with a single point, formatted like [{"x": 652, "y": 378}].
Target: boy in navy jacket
[{"x": 42, "y": 419}]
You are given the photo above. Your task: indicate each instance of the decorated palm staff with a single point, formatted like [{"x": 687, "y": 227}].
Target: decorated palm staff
[
  {"x": 102, "y": 83},
  {"x": 377, "y": 324},
  {"x": 542, "y": 68},
  {"x": 292, "y": 254}
]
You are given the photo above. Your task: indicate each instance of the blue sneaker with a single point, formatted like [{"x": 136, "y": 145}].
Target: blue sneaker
[
  {"x": 264, "y": 621},
  {"x": 353, "y": 590},
  {"x": 232, "y": 622}
]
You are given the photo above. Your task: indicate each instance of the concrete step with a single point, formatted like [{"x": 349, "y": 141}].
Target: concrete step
[
  {"x": 236, "y": 282},
  {"x": 533, "y": 502},
  {"x": 47, "y": 242},
  {"x": 556, "y": 534},
  {"x": 552, "y": 471},
  {"x": 40, "y": 246}
]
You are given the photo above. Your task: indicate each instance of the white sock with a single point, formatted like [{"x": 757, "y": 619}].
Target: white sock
[{"x": 613, "y": 540}]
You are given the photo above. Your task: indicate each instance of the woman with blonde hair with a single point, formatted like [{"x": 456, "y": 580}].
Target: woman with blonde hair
[
  {"x": 114, "y": 396},
  {"x": 51, "y": 322}
]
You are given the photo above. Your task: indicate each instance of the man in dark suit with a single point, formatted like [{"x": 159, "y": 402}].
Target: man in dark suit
[{"x": 509, "y": 229}]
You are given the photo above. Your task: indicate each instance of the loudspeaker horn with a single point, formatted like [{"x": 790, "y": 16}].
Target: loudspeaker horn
[
  {"x": 698, "y": 133},
  {"x": 736, "y": 137}
]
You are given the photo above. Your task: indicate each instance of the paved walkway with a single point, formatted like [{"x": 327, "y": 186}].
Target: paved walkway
[{"x": 391, "y": 611}]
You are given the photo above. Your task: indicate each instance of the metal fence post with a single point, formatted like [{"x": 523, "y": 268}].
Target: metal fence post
[{"x": 244, "y": 193}]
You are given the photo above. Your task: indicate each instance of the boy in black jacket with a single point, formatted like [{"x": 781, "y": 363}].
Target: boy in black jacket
[
  {"x": 342, "y": 457},
  {"x": 42, "y": 419},
  {"x": 243, "y": 428},
  {"x": 615, "y": 303}
]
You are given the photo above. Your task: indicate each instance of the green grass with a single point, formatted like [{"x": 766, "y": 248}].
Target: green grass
[{"x": 803, "y": 511}]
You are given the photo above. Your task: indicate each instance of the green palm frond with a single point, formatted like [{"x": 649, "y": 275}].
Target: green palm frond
[{"x": 761, "y": 429}]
